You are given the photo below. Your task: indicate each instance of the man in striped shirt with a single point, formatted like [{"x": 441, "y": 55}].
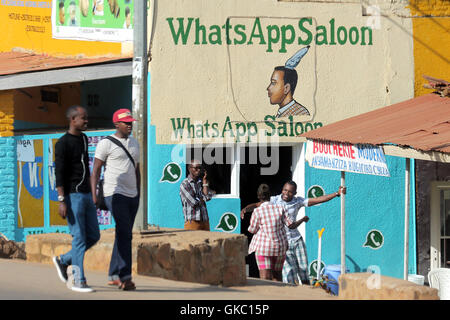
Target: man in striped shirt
[
  {"x": 281, "y": 91},
  {"x": 270, "y": 242},
  {"x": 194, "y": 192}
]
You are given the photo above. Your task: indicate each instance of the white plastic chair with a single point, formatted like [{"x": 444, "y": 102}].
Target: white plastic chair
[{"x": 440, "y": 279}]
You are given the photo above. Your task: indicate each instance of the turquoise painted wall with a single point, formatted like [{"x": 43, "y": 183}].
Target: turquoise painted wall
[
  {"x": 164, "y": 202},
  {"x": 371, "y": 203}
]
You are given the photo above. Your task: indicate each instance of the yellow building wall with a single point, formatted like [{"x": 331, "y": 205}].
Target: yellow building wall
[
  {"x": 6, "y": 113},
  {"x": 30, "y": 28},
  {"x": 431, "y": 31}
]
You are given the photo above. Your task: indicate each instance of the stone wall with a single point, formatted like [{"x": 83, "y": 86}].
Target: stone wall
[
  {"x": 368, "y": 286},
  {"x": 214, "y": 258}
]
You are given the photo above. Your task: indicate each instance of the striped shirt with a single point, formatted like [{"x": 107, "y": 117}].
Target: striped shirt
[
  {"x": 293, "y": 108},
  {"x": 191, "y": 193},
  {"x": 268, "y": 223},
  {"x": 292, "y": 207}
]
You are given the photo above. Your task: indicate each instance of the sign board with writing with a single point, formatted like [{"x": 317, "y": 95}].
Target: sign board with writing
[
  {"x": 25, "y": 150},
  {"x": 98, "y": 20},
  {"x": 364, "y": 159}
]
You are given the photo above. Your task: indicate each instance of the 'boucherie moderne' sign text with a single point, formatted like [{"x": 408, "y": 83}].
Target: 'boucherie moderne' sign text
[{"x": 360, "y": 158}]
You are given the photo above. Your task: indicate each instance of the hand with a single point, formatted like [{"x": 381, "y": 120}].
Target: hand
[
  {"x": 243, "y": 211},
  {"x": 94, "y": 198},
  {"x": 342, "y": 190},
  {"x": 62, "y": 210},
  {"x": 205, "y": 180},
  {"x": 305, "y": 219}
]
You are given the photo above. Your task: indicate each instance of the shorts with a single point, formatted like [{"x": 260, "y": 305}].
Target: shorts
[{"x": 274, "y": 263}]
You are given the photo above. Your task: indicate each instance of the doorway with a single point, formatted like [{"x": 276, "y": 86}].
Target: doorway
[
  {"x": 251, "y": 177},
  {"x": 440, "y": 225}
]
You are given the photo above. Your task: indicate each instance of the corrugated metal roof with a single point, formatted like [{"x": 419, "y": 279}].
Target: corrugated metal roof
[
  {"x": 421, "y": 123},
  {"x": 21, "y": 62}
]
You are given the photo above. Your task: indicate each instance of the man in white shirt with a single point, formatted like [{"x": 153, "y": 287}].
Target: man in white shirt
[{"x": 121, "y": 190}]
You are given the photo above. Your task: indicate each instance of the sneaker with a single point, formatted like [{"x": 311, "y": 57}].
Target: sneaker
[
  {"x": 62, "y": 270},
  {"x": 82, "y": 287}
]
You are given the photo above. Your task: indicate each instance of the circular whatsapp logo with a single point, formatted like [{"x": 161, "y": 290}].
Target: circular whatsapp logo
[
  {"x": 315, "y": 191},
  {"x": 374, "y": 239},
  {"x": 313, "y": 268},
  {"x": 171, "y": 173},
  {"x": 228, "y": 222}
]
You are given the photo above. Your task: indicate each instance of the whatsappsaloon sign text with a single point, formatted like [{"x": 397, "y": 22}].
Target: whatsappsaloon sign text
[
  {"x": 240, "y": 131},
  {"x": 192, "y": 31}
]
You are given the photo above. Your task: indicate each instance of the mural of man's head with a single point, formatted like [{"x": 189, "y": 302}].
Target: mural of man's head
[
  {"x": 282, "y": 87},
  {"x": 114, "y": 7},
  {"x": 84, "y": 7}
]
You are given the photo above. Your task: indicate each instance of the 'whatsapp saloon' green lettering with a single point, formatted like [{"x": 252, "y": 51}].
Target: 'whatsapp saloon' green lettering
[
  {"x": 192, "y": 31},
  {"x": 240, "y": 131}
]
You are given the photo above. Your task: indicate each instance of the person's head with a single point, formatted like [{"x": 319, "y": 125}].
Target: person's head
[
  {"x": 195, "y": 169},
  {"x": 282, "y": 84},
  {"x": 289, "y": 191},
  {"x": 127, "y": 16},
  {"x": 123, "y": 121},
  {"x": 84, "y": 7},
  {"x": 78, "y": 118},
  {"x": 61, "y": 12},
  {"x": 263, "y": 192}
]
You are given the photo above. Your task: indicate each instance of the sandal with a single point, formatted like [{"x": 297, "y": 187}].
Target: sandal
[
  {"x": 114, "y": 282},
  {"x": 127, "y": 285}
]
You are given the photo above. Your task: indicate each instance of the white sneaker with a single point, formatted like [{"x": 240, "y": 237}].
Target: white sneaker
[{"x": 82, "y": 287}]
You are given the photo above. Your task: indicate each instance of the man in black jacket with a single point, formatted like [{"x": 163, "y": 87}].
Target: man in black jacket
[{"x": 75, "y": 199}]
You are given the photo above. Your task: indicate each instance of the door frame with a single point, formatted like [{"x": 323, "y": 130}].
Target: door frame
[{"x": 435, "y": 222}]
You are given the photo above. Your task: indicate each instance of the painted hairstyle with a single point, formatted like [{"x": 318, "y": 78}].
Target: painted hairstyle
[{"x": 290, "y": 76}]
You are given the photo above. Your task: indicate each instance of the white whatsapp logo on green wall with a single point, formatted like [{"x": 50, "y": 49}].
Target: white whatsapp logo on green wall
[
  {"x": 171, "y": 173},
  {"x": 374, "y": 239},
  {"x": 228, "y": 222}
]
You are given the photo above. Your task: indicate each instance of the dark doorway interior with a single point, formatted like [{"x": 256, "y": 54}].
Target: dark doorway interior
[{"x": 251, "y": 178}]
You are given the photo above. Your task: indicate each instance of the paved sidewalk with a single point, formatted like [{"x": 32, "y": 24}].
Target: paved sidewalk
[{"x": 33, "y": 281}]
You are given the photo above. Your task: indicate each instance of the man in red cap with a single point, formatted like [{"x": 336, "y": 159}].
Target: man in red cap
[{"x": 119, "y": 153}]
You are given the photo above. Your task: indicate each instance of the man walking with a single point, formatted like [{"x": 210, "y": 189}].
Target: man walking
[
  {"x": 74, "y": 196},
  {"x": 296, "y": 263},
  {"x": 119, "y": 153},
  {"x": 194, "y": 192}
]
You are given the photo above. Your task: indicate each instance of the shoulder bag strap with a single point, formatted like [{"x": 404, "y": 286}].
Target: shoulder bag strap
[{"x": 117, "y": 142}]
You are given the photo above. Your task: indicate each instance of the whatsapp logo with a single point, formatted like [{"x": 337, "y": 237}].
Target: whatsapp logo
[
  {"x": 228, "y": 222},
  {"x": 171, "y": 173},
  {"x": 374, "y": 239},
  {"x": 315, "y": 192},
  {"x": 313, "y": 268}
]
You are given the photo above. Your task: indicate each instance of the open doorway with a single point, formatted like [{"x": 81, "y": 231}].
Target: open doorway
[{"x": 251, "y": 178}]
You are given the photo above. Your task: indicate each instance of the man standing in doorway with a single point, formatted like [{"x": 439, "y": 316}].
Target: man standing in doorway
[
  {"x": 119, "y": 153},
  {"x": 194, "y": 192},
  {"x": 296, "y": 264},
  {"x": 74, "y": 196}
]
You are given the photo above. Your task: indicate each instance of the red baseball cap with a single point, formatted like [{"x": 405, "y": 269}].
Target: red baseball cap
[{"x": 123, "y": 115}]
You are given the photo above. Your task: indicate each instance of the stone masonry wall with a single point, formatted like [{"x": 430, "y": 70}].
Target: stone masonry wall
[{"x": 214, "y": 258}]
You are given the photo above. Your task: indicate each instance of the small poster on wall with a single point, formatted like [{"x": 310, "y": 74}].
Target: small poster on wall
[{"x": 96, "y": 20}]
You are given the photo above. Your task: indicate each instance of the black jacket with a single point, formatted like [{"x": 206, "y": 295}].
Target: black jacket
[{"x": 72, "y": 163}]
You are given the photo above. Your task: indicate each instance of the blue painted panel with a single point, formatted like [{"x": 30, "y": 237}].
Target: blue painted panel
[{"x": 371, "y": 203}]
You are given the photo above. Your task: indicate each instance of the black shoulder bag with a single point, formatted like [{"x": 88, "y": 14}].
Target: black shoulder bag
[{"x": 100, "y": 195}]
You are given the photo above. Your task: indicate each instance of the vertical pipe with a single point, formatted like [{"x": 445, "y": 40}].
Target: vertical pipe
[
  {"x": 343, "y": 225},
  {"x": 406, "y": 241},
  {"x": 140, "y": 79}
]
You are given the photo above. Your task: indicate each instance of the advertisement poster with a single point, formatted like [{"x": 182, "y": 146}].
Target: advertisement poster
[{"x": 96, "y": 20}]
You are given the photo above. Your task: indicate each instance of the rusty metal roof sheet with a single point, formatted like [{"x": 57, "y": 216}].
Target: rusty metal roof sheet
[
  {"x": 22, "y": 62},
  {"x": 421, "y": 123}
]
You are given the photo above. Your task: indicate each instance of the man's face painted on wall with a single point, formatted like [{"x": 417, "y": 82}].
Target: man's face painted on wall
[{"x": 276, "y": 88}]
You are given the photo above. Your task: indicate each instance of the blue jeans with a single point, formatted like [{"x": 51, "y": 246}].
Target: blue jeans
[
  {"x": 83, "y": 226},
  {"x": 123, "y": 210}
]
